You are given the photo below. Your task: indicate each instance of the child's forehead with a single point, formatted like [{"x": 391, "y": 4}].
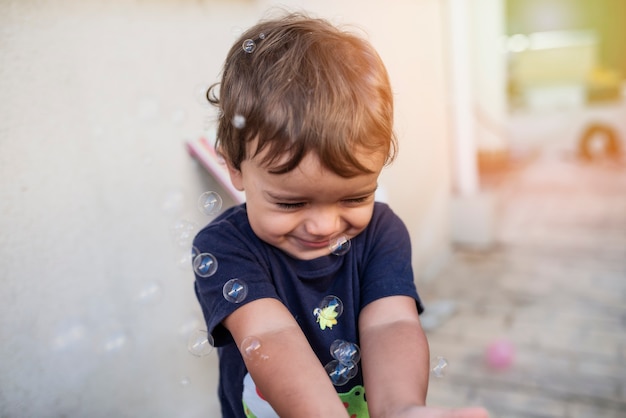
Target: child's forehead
[
  {"x": 267, "y": 157},
  {"x": 312, "y": 173},
  {"x": 311, "y": 178}
]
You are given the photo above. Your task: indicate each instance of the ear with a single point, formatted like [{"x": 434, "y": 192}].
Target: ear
[{"x": 236, "y": 178}]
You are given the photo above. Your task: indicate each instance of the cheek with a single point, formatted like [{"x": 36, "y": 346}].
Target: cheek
[
  {"x": 271, "y": 223},
  {"x": 359, "y": 218}
]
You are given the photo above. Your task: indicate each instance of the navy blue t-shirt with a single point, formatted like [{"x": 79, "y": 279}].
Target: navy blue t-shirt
[{"x": 378, "y": 264}]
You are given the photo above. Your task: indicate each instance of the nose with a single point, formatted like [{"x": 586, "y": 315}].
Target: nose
[{"x": 323, "y": 221}]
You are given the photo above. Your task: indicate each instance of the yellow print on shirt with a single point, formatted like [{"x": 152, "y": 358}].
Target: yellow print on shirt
[{"x": 326, "y": 317}]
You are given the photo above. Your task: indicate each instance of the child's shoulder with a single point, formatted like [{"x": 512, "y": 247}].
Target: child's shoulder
[
  {"x": 235, "y": 215},
  {"x": 384, "y": 213},
  {"x": 385, "y": 222},
  {"x": 233, "y": 221},
  {"x": 380, "y": 207}
]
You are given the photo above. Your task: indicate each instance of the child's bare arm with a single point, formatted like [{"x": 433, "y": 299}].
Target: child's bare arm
[
  {"x": 282, "y": 364},
  {"x": 394, "y": 355},
  {"x": 396, "y": 362}
]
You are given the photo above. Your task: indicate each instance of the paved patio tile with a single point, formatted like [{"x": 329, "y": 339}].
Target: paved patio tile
[{"x": 554, "y": 285}]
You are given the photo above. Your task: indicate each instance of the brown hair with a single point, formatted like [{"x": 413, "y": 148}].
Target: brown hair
[{"x": 302, "y": 85}]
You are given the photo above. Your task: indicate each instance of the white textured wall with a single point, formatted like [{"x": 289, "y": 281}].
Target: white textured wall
[{"x": 96, "y": 101}]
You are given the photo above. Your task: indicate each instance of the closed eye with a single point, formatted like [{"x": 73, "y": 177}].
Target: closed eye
[
  {"x": 358, "y": 200},
  {"x": 296, "y": 205}
]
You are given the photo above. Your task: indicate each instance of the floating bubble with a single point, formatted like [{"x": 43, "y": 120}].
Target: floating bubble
[
  {"x": 178, "y": 116},
  {"x": 184, "y": 381},
  {"x": 115, "y": 342},
  {"x": 200, "y": 343},
  {"x": 345, "y": 352},
  {"x": 186, "y": 257},
  {"x": 173, "y": 202},
  {"x": 69, "y": 335},
  {"x": 251, "y": 349},
  {"x": 438, "y": 366},
  {"x": 210, "y": 203},
  {"x": 235, "y": 291},
  {"x": 147, "y": 109},
  {"x": 239, "y": 121},
  {"x": 331, "y": 307},
  {"x": 248, "y": 46},
  {"x": 339, "y": 245},
  {"x": 236, "y": 31},
  {"x": 340, "y": 373},
  {"x": 200, "y": 94},
  {"x": 205, "y": 264},
  {"x": 183, "y": 232},
  {"x": 189, "y": 324},
  {"x": 328, "y": 311},
  {"x": 261, "y": 35},
  {"x": 150, "y": 293}
]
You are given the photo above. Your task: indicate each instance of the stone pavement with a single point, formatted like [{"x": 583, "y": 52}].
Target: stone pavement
[{"x": 553, "y": 285}]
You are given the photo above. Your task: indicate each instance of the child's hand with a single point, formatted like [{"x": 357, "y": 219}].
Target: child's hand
[{"x": 435, "y": 412}]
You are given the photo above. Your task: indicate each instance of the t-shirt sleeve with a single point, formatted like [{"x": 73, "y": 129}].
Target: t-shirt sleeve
[
  {"x": 387, "y": 268},
  {"x": 238, "y": 262}
]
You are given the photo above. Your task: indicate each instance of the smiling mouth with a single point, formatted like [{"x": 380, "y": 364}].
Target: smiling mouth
[{"x": 314, "y": 244}]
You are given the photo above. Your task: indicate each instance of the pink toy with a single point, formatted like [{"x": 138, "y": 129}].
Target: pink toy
[
  {"x": 500, "y": 354},
  {"x": 205, "y": 153}
]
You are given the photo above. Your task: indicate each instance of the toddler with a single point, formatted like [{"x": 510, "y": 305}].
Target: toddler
[{"x": 312, "y": 306}]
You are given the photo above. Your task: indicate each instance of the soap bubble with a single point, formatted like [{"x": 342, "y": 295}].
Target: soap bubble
[
  {"x": 262, "y": 35},
  {"x": 148, "y": 109},
  {"x": 438, "y": 366},
  {"x": 184, "y": 381},
  {"x": 339, "y": 245},
  {"x": 188, "y": 325},
  {"x": 178, "y": 116},
  {"x": 328, "y": 311},
  {"x": 186, "y": 258},
  {"x": 340, "y": 373},
  {"x": 236, "y": 31},
  {"x": 239, "y": 121},
  {"x": 205, "y": 265},
  {"x": 330, "y": 307},
  {"x": 183, "y": 232},
  {"x": 173, "y": 202},
  {"x": 150, "y": 293},
  {"x": 70, "y": 334},
  {"x": 200, "y": 343},
  {"x": 345, "y": 352},
  {"x": 115, "y": 342},
  {"x": 251, "y": 349},
  {"x": 248, "y": 46},
  {"x": 200, "y": 94},
  {"x": 210, "y": 203},
  {"x": 235, "y": 291}
]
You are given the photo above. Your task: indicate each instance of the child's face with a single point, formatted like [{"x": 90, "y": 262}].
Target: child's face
[{"x": 300, "y": 211}]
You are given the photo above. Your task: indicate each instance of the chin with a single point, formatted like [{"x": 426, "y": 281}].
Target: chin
[{"x": 306, "y": 254}]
